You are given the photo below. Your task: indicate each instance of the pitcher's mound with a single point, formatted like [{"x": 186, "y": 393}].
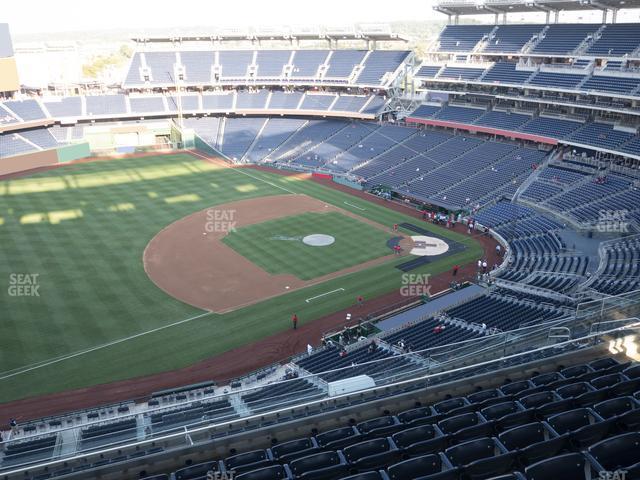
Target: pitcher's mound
[{"x": 318, "y": 240}]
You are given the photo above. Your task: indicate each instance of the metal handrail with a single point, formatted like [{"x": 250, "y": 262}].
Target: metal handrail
[{"x": 575, "y": 343}]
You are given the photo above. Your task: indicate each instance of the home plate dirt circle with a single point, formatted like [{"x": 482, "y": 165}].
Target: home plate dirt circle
[
  {"x": 428, "y": 246},
  {"x": 318, "y": 240}
]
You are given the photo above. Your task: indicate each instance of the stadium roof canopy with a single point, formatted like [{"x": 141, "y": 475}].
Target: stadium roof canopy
[
  {"x": 479, "y": 7},
  {"x": 367, "y": 33}
]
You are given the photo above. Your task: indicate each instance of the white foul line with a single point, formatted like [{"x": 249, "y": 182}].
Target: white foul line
[
  {"x": 323, "y": 294},
  {"x": 354, "y": 206},
  {"x": 240, "y": 170},
  {"x": 36, "y": 366}
]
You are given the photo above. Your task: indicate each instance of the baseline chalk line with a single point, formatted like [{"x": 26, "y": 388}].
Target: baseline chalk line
[
  {"x": 308, "y": 300},
  {"x": 354, "y": 206}
]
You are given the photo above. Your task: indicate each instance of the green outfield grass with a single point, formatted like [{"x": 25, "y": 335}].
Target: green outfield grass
[
  {"x": 355, "y": 242},
  {"x": 82, "y": 230}
]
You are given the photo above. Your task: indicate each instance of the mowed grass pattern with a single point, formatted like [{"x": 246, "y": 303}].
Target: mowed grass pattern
[
  {"x": 355, "y": 242},
  {"x": 93, "y": 288}
]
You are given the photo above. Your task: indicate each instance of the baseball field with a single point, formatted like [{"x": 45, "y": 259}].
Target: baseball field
[{"x": 81, "y": 304}]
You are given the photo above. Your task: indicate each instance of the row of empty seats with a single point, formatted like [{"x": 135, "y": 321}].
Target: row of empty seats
[
  {"x": 591, "y": 134},
  {"x": 206, "y": 67},
  {"x": 610, "y": 40},
  {"x": 578, "y": 422},
  {"x": 508, "y": 73},
  {"x": 111, "y": 105}
]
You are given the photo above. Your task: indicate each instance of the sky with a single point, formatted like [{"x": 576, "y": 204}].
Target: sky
[
  {"x": 41, "y": 16},
  {"x": 82, "y": 15}
]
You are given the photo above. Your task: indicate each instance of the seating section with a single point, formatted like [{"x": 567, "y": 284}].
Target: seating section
[
  {"x": 274, "y": 134},
  {"x": 616, "y": 40},
  {"x": 106, "y": 105},
  {"x": 462, "y": 38},
  {"x": 557, "y": 424},
  {"x": 159, "y": 68},
  {"x": 620, "y": 267},
  {"x": 281, "y": 394},
  {"x": 537, "y": 249},
  {"x": 424, "y": 335},
  {"x": 504, "y": 312},
  {"x": 511, "y": 38},
  {"x": 593, "y": 134},
  {"x": 195, "y": 412},
  {"x": 239, "y": 134},
  {"x": 567, "y": 81},
  {"x": 507, "y": 73},
  {"x": 27, "y": 110},
  {"x": 108, "y": 433},
  {"x": 331, "y": 364},
  {"x": 28, "y": 141},
  {"x": 378, "y": 65},
  {"x": 601, "y": 135},
  {"x": 605, "y": 83},
  {"x": 560, "y": 40},
  {"x": 460, "y": 73},
  {"x": 27, "y": 451},
  {"x": 606, "y": 202},
  {"x": 13, "y": 144},
  {"x": 446, "y": 174}
]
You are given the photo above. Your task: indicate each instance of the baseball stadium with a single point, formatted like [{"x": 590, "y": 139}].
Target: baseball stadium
[{"x": 327, "y": 253}]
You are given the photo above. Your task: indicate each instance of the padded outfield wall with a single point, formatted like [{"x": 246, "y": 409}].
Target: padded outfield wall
[{"x": 45, "y": 158}]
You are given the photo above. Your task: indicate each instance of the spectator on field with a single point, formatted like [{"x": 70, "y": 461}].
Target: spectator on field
[{"x": 294, "y": 320}]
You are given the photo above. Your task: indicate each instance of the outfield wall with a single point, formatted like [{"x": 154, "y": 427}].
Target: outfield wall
[
  {"x": 45, "y": 158},
  {"x": 348, "y": 183}
]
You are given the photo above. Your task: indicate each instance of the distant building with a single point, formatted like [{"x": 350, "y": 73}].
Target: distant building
[
  {"x": 44, "y": 64},
  {"x": 8, "y": 73}
]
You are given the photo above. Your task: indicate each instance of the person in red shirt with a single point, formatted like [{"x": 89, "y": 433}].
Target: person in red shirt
[
  {"x": 455, "y": 270},
  {"x": 360, "y": 300},
  {"x": 294, "y": 320}
]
